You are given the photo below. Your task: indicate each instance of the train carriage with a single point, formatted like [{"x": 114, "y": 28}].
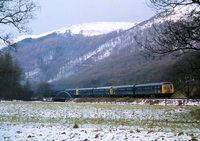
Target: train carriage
[
  {"x": 127, "y": 90},
  {"x": 85, "y": 92},
  {"x": 161, "y": 89},
  {"x": 102, "y": 92}
]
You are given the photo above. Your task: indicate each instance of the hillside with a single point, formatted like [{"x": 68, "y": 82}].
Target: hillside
[
  {"x": 119, "y": 69},
  {"x": 50, "y": 55}
]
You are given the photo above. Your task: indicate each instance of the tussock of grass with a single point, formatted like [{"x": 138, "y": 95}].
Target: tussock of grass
[
  {"x": 96, "y": 136},
  {"x": 137, "y": 130},
  {"x": 76, "y": 126},
  {"x": 181, "y": 133}
]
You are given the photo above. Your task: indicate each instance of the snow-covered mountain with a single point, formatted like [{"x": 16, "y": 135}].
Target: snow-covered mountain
[
  {"x": 97, "y": 28},
  {"x": 87, "y": 29},
  {"x": 63, "y": 53}
]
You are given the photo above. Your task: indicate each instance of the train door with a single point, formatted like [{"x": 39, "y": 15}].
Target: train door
[
  {"x": 77, "y": 92},
  {"x": 111, "y": 91}
]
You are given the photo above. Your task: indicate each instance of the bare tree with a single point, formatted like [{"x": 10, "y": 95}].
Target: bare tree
[
  {"x": 160, "y": 5},
  {"x": 174, "y": 36},
  {"x": 179, "y": 37},
  {"x": 15, "y": 13}
]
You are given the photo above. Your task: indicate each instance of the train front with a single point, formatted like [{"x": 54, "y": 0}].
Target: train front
[{"x": 168, "y": 89}]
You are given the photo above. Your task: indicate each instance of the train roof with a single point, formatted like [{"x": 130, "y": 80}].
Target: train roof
[
  {"x": 85, "y": 88},
  {"x": 78, "y": 89},
  {"x": 152, "y": 84},
  {"x": 123, "y": 86},
  {"x": 106, "y": 87},
  {"x": 70, "y": 89}
]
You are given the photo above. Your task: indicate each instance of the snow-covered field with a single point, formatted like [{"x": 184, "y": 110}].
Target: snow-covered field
[{"x": 97, "y": 121}]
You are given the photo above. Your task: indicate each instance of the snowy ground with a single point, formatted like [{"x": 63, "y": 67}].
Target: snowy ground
[{"x": 97, "y": 121}]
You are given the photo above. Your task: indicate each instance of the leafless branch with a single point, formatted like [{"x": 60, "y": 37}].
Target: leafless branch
[{"x": 16, "y": 13}]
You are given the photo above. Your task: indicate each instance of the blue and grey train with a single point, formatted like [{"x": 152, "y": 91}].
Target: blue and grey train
[{"x": 160, "y": 90}]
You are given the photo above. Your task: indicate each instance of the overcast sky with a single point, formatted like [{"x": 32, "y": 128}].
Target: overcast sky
[{"x": 56, "y": 14}]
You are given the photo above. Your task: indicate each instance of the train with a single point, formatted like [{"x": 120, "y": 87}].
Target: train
[{"x": 158, "y": 90}]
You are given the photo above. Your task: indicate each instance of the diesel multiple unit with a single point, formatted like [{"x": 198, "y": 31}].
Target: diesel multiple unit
[{"x": 162, "y": 89}]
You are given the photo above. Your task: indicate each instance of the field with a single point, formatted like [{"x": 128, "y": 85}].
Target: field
[{"x": 97, "y": 121}]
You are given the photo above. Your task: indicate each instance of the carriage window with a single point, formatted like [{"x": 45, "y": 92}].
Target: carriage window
[{"x": 168, "y": 87}]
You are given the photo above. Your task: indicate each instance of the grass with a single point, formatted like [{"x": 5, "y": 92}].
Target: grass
[
  {"x": 195, "y": 113},
  {"x": 141, "y": 117}
]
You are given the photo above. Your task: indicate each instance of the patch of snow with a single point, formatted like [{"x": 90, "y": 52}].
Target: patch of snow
[
  {"x": 33, "y": 36},
  {"x": 32, "y": 73},
  {"x": 178, "y": 13},
  {"x": 86, "y": 29},
  {"x": 87, "y": 132},
  {"x": 97, "y": 28},
  {"x": 55, "y": 121}
]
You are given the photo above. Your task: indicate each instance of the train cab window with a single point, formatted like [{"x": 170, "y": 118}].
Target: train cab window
[
  {"x": 165, "y": 87},
  {"x": 171, "y": 87},
  {"x": 168, "y": 87}
]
